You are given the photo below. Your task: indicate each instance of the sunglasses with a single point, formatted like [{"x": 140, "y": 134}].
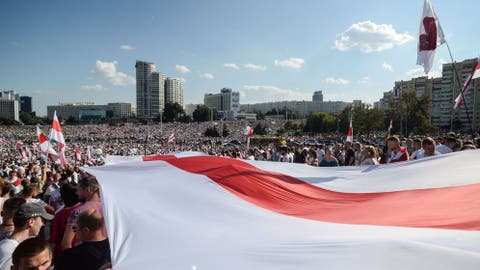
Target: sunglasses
[{"x": 75, "y": 228}]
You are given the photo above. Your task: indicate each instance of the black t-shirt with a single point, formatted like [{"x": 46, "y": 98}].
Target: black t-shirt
[
  {"x": 86, "y": 256},
  {"x": 350, "y": 157}
]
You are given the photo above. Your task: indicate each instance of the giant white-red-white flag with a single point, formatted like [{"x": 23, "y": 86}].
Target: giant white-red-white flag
[
  {"x": 430, "y": 36},
  {"x": 56, "y": 134},
  {"x": 206, "y": 212},
  {"x": 472, "y": 76}
]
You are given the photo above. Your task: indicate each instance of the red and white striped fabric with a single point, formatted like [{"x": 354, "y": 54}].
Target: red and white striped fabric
[
  {"x": 25, "y": 153},
  {"x": 248, "y": 131},
  {"x": 171, "y": 138},
  {"x": 350, "y": 132},
  {"x": 56, "y": 134},
  {"x": 45, "y": 145},
  {"x": 205, "y": 212},
  {"x": 472, "y": 76}
]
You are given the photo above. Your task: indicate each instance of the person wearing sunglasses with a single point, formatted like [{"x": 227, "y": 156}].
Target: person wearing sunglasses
[{"x": 94, "y": 251}]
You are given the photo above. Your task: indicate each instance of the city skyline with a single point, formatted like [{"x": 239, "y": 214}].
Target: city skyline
[{"x": 268, "y": 51}]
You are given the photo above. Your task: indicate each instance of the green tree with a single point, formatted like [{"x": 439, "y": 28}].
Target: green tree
[
  {"x": 260, "y": 129},
  {"x": 410, "y": 114},
  {"x": 272, "y": 112},
  {"x": 319, "y": 122},
  {"x": 172, "y": 112},
  {"x": 27, "y": 119},
  {"x": 260, "y": 115},
  {"x": 185, "y": 118},
  {"x": 203, "y": 113},
  {"x": 212, "y": 132},
  {"x": 365, "y": 120},
  {"x": 8, "y": 122}
]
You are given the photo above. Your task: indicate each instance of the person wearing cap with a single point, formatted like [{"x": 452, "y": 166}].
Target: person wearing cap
[{"x": 28, "y": 222}]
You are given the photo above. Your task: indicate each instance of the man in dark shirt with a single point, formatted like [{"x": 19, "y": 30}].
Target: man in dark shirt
[
  {"x": 349, "y": 154},
  {"x": 94, "y": 252}
]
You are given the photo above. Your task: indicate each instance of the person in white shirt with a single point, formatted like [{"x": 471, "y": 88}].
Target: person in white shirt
[
  {"x": 428, "y": 146},
  {"x": 28, "y": 222}
]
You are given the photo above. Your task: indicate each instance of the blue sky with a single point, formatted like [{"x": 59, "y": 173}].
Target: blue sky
[{"x": 268, "y": 50}]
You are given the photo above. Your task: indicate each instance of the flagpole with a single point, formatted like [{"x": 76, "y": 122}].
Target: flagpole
[{"x": 461, "y": 92}]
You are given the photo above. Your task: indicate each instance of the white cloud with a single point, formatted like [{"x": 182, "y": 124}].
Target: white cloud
[
  {"x": 96, "y": 87},
  {"x": 294, "y": 63},
  {"x": 338, "y": 81},
  {"x": 387, "y": 67},
  {"x": 182, "y": 69},
  {"x": 419, "y": 72},
  {"x": 370, "y": 37},
  {"x": 207, "y": 76},
  {"x": 122, "y": 79},
  {"x": 232, "y": 66},
  {"x": 364, "y": 80},
  {"x": 127, "y": 47},
  {"x": 268, "y": 93},
  {"x": 109, "y": 70},
  {"x": 255, "y": 67}
]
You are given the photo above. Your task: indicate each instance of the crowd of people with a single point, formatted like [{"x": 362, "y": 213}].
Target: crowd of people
[{"x": 52, "y": 214}]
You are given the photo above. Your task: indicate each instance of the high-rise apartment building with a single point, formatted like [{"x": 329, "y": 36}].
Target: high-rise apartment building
[
  {"x": 10, "y": 105},
  {"x": 150, "y": 90},
  {"x": 174, "y": 90},
  {"x": 26, "y": 104},
  {"x": 303, "y": 108},
  {"x": 450, "y": 88},
  {"x": 227, "y": 102},
  {"x": 317, "y": 96},
  {"x": 443, "y": 92}
]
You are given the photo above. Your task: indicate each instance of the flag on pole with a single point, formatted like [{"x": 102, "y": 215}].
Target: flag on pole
[
  {"x": 171, "y": 138},
  {"x": 248, "y": 131},
  {"x": 429, "y": 38},
  {"x": 350, "y": 132},
  {"x": 56, "y": 134},
  {"x": 271, "y": 215},
  {"x": 472, "y": 76},
  {"x": 25, "y": 153},
  {"x": 45, "y": 146}
]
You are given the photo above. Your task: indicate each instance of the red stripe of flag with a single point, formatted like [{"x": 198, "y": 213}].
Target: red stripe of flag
[{"x": 450, "y": 207}]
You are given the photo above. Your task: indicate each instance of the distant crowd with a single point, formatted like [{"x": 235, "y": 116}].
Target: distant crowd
[{"x": 52, "y": 214}]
